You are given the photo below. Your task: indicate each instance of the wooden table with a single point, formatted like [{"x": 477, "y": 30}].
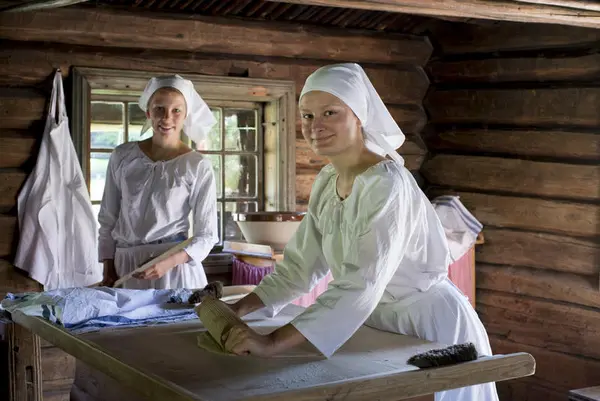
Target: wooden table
[
  {"x": 163, "y": 362},
  {"x": 585, "y": 394}
]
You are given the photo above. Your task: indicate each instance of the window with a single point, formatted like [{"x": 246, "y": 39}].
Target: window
[{"x": 250, "y": 147}]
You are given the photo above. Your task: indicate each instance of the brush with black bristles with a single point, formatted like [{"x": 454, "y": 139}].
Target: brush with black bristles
[
  {"x": 214, "y": 289},
  {"x": 445, "y": 356}
]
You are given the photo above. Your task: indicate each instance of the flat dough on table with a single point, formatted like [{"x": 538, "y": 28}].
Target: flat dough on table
[{"x": 218, "y": 318}]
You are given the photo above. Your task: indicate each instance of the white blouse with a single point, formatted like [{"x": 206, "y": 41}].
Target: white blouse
[
  {"x": 382, "y": 244},
  {"x": 145, "y": 201}
]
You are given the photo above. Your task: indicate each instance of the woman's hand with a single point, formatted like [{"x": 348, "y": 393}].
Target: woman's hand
[
  {"x": 109, "y": 276},
  {"x": 242, "y": 340},
  {"x": 161, "y": 268}
]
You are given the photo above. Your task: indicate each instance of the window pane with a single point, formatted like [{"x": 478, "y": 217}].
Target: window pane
[
  {"x": 232, "y": 231},
  {"x": 137, "y": 118},
  {"x": 240, "y": 175},
  {"x": 98, "y": 165},
  {"x": 213, "y": 139},
  {"x": 106, "y": 128},
  {"x": 215, "y": 160},
  {"x": 240, "y": 130}
]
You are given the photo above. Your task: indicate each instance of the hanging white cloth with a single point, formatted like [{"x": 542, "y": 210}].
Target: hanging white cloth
[
  {"x": 58, "y": 231},
  {"x": 460, "y": 226}
]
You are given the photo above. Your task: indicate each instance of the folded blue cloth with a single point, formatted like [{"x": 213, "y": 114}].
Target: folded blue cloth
[{"x": 88, "y": 309}]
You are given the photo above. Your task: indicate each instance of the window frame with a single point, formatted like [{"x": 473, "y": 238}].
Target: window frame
[{"x": 279, "y": 126}]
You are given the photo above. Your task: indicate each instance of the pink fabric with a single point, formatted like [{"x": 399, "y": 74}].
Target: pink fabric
[
  {"x": 461, "y": 274},
  {"x": 246, "y": 274}
]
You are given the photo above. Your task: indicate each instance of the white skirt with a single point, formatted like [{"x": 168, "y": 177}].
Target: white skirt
[
  {"x": 187, "y": 275},
  {"x": 442, "y": 314}
]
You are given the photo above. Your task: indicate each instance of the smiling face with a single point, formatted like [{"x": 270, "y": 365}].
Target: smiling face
[
  {"x": 167, "y": 110},
  {"x": 328, "y": 124}
]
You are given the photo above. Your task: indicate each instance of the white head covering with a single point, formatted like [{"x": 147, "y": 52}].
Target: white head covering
[
  {"x": 350, "y": 84},
  {"x": 198, "y": 120}
]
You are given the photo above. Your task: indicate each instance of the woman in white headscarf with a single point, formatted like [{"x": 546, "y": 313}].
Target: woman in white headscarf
[
  {"x": 153, "y": 186},
  {"x": 369, "y": 223}
]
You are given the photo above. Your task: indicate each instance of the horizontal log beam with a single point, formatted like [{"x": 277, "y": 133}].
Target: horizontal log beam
[
  {"x": 14, "y": 280},
  {"x": 529, "y": 107},
  {"x": 553, "y": 370},
  {"x": 17, "y": 147},
  {"x": 125, "y": 29},
  {"x": 8, "y": 235},
  {"x": 502, "y": 70},
  {"x": 542, "y": 251},
  {"x": 21, "y": 108},
  {"x": 480, "y": 9},
  {"x": 572, "y": 288},
  {"x": 568, "y": 329},
  {"x": 524, "y": 38},
  {"x": 11, "y": 182},
  {"x": 521, "y": 177},
  {"x": 536, "y": 143},
  {"x": 554, "y": 217}
]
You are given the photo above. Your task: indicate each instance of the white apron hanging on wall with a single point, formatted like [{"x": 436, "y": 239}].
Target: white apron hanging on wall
[{"x": 58, "y": 231}]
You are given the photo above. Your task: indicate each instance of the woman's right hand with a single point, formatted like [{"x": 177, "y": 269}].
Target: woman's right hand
[{"x": 110, "y": 273}]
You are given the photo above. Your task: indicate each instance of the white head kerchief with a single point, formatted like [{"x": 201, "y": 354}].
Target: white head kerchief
[
  {"x": 198, "y": 120},
  {"x": 350, "y": 84}
]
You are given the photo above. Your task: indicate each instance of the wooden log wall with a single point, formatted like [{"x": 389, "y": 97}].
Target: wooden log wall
[
  {"x": 34, "y": 44},
  {"x": 514, "y": 130}
]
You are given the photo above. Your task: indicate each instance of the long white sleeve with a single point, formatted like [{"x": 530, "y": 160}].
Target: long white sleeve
[
  {"x": 388, "y": 212},
  {"x": 300, "y": 270},
  {"x": 109, "y": 211},
  {"x": 203, "y": 203}
]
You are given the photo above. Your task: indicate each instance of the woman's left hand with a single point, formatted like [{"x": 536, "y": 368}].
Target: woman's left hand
[
  {"x": 156, "y": 271},
  {"x": 242, "y": 340}
]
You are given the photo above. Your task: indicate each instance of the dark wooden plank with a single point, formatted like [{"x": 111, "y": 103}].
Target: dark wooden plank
[
  {"x": 556, "y": 144},
  {"x": 21, "y": 108},
  {"x": 554, "y": 370},
  {"x": 15, "y": 280},
  {"x": 485, "y": 38},
  {"x": 530, "y": 107},
  {"x": 125, "y": 29},
  {"x": 11, "y": 182},
  {"x": 534, "y": 69},
  {"x": 25, "y": 362},
  {"x": 514, "y": 176},
  {"x": 569, "y": 218},
  {"x": 542, "y": 251},
  {"x": 572, "y": 288},
  {"x": 17, "y": 147},
  {"x": 57, "y": 366},
  {"x": 32, "y": 64},
  {"x": 8, "y": 235},
  {"x": 563, "y": 328}
]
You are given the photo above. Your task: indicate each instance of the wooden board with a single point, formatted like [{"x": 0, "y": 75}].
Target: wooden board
[
  {"x": 576, "y": 13},
  {"x": 11, "y": 181},
  {"x": 20, "y": 108},
  {"x": 541, "y": 143},
  {"x": 558, "y": 217},
  {"x": 514, "y": 176},
  {"x": 17, "y": 148},
  {"x": 533, "y": 69},
  {"x": 14, "y": 280},
  {"x": 570, "y": 329},
  {"x": 179, "y": 370},
  {"x": 542, "y": 251},
  {"x": 532, "y": 107},
  {"x": 8, "y": 235},
  {"x": 25, "y": 370},
  {"x": 120, "y": 28},
  {"x": 31, "y": 64},
  {"x": 562, "y": 287},
  {"x": 490, "y": 38}
]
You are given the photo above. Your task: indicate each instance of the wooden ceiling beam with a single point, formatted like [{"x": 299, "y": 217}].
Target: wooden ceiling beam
[{"x": 565, "y": 12}]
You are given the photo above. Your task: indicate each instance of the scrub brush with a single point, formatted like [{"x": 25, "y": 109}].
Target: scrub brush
[
  {"x": 445, "y": 356},
  {"x": 214, "y": 289}
]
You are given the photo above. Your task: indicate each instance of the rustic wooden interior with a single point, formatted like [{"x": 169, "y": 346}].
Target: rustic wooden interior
[{"x": 504, "y": 113}]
